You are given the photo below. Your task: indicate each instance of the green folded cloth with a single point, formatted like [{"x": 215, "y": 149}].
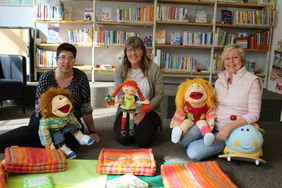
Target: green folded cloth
[{"x": 80, "y": 173}]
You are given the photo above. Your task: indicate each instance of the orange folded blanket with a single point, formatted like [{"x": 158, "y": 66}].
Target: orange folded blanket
[
  {"x": 135, "y": 161},
  {"x": 195, "y": 174},
  {"x": 3, "y": 177},
  {"x": 34, "y": 160}
]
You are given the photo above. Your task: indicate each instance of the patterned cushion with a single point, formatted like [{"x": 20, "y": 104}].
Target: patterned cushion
[
  {"x": 34, "y": 160},
  {"x": 195, "y": 174},
  {"x": 135, "y": 161},
  {"x": 3, "y": 177}
]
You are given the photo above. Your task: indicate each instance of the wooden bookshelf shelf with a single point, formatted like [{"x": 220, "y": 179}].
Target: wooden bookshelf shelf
[
  {"x": 133, "y": 1},
  {"x": 183, "y": 72},
  {"x": 64, "y": 21},
  {"x": 124, "y": 23},
  {"x": 57, "y": 44},
  {"x": 105, "y": 70},
  {"x": 242, "y": 26},
  {"x": 184, "y": 23},
  {"x": 81, "y": 67},
  {"x": 181, "y": 46},
  {"x": 242, "y": 5},
  {"x": 116, "y": 46},
  {"x": 247, "y": 50},
  {"x": 188, "y": 2}
]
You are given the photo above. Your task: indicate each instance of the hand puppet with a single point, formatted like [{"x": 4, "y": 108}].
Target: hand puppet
[
  {"x": 58, "y": 119},
  {"x": 194, "y": 105},
  {"x": 128, "y": 104}
]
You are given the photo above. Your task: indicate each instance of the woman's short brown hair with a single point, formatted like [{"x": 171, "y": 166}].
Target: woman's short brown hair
[{"x": 66, "y": 47}]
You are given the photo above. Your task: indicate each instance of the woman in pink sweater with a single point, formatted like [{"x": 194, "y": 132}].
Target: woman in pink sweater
[{"x": 238, "y": 98}]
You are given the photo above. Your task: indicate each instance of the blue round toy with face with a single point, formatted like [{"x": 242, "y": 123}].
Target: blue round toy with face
[{"x": 245, "y": 139}]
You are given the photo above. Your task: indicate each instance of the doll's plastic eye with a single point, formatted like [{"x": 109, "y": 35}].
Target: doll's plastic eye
[
  {"x": 242, "y": 129},
  {"x": 248, "y": 129}
]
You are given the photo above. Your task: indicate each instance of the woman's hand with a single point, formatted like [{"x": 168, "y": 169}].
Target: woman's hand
[
  {"x": 224, "y": 132},
  {"x": 139, "y": 117},
  {"x": 96, "y": 137}
]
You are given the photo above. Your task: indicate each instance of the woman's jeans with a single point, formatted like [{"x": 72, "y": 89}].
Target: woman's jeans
[{"x": 195, "y": 147}]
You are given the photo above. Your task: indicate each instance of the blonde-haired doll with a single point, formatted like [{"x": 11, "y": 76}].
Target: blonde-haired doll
[{"x": 194, "y": 105}]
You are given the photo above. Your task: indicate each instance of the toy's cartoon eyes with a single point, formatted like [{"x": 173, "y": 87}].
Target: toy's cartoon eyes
[
  {"x": 248, "y": 129},
  {"x": 61, "y": 98},
  {"x": 242, "y": 129}
]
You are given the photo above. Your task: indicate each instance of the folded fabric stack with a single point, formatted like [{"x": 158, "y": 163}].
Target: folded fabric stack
[
  {"x": 195, "y": 174},
  {"x": 135, "y": 161},
  {"x": 34, "y": 160},
  {"x": 3, "y": 177}
]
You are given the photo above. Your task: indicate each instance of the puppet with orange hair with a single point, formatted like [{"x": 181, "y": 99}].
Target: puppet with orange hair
[
  {"x": 58, "y": 119},
  {"x": 128, "y": 103},
  {"x": 194, "y": 105}
]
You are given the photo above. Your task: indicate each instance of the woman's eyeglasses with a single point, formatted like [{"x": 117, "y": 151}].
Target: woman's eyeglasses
[
  {"x": 64, "y": 58},
  {"x": 132, "y": 50}
]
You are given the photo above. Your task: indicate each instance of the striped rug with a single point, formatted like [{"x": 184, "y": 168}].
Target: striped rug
[{"x": 195, "y": 174}]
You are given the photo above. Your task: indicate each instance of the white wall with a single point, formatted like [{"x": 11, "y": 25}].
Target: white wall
[
  {"x": 14, "y": 16},
  {"x": 272, "y": 85}
]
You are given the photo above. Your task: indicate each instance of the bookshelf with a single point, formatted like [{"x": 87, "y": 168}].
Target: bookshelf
[
  {"x": 115, "y": 20},
  {"x": 68, "y": 19}
]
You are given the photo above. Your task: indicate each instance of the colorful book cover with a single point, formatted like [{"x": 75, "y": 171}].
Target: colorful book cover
[
  {"x": 106, "y": 13},
  {"x": 175, "y": 38},
  {"x": 127, "y": 180},
  {"x": 88, "y": 14},
  {"x": 160, "y": 36},
  {"x": 226, "y": 17},
  {"x": 201, "y": 16},
  {"x": 68, "y": 13},
  {"x": 53, "y": 35}
]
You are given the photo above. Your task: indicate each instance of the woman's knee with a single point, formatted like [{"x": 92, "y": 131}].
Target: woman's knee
[{"x": 194, "y": 154}]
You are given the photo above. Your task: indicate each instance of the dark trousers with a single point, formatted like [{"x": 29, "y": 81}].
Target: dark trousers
[
  {"x": 27, "y": 136},
  {"x": 145, "y": 132}
]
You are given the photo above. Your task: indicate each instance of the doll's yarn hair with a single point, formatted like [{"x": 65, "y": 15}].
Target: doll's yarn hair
[
  {"x": 131, "y": 83},
  {"x": 46, "y": 98},
  {"x": 182, "y": 88}
]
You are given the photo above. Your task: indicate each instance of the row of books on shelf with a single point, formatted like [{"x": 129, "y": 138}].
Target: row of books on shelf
[
  {"x": 251, "y": 17},
  {"x": 253, "y": 41},
  {"x": 80, "y": 36},
  {"x": 131, "y": 14},
  {"x": 247, "y": 1},
  {"x": 171, "y": 62},
  {"x": 197, "y": 39},
  {"x": 168, "y": 13},
  {"x": 184, "y": 38},
  {"x": 111, "y": 37},
  {"x": 45, "y": 58},
  {"x": 258, "y": 41},
  {"x": 49, "y": 12}
]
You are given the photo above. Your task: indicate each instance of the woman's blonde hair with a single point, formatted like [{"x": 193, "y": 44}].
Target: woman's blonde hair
[
  {"x": 230, "y": 47},
  {"x": 135, "y": 42}
]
